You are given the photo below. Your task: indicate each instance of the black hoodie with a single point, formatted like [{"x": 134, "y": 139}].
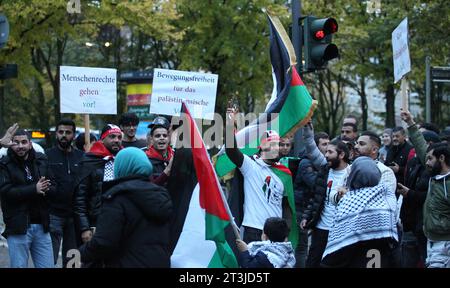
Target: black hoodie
[{"x": 133, "y": 226}]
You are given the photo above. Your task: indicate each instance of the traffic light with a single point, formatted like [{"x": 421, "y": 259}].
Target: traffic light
[{"x": 317, "y": 35}]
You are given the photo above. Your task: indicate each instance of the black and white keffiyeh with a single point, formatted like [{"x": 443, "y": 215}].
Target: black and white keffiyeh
[
  {"x": 362, "y": 214},
  {"x": 280, "y": 254},
  {"x": 109, "y": 170}
]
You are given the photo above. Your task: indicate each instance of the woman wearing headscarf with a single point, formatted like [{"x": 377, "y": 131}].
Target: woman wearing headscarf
[
  {"x": 132, "y": 229},
  {"x": 364, "y": 220}
]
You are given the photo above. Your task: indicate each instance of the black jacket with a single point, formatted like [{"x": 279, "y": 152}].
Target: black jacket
[
  {"x": 19, "y": 196},
  {"x": 158, "y": 166},
  {"x": 399, "y": 154},
  {"x": 315, "y": 202},
  {"x": 304, "y": 185},
  {"x": 64, "y": 168},
  {"x": 417, "y": 179},
  {"x": 260, "y": 260},
  {"x": 133, "y": 226},
  {"x": 88, "y": 195}
]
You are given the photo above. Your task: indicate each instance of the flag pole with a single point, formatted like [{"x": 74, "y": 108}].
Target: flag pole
[
  {"x": 224, "y": 200},
  {"x": 87, "y": 133}
]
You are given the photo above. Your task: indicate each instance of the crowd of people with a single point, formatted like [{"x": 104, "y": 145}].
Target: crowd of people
[{"x": 356, "y": 193}]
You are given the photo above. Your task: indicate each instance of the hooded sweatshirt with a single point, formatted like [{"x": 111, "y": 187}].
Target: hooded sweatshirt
[{"x": 436, "y": 209}]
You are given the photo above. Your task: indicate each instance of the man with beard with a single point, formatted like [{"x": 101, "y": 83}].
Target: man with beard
[
  {"x": 333, "y": 171},
  {"x": 414, "y": 192},
  {"x": 96, "y": 167},
  {"x": 63, "y": 161},
  {"x": 436, "y": 210},
  {"x": 129, "y": 122},
  {"x": 159, "y": 152},
  {"x": 397, "y": 156},
  {"x": 264, "y": 191},
  {"x": 24, "y": 184}
]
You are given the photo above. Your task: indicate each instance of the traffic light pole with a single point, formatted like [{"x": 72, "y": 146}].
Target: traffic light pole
[
  {"x": 297, "y": 35},
  {"x": 427, "y": 89}
]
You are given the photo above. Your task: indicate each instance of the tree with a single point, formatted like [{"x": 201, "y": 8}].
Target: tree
[
  {"x": 230, "y": 38},
  {"x": 41, "y": 31}
]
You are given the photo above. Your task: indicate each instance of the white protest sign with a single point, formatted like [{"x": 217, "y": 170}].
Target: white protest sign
[
  {"x": 402, "y": 62},
  {"x": 170, "y": 87},
  {"x": 88, "y": 90}
]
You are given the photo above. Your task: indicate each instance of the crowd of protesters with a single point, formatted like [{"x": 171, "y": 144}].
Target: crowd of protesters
[{"x": 356, "y": 193}]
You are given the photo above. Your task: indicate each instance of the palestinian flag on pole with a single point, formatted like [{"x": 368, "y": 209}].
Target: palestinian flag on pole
[
  {"x": 202, "y": 242},
  {"x": 289, "y": 108}
]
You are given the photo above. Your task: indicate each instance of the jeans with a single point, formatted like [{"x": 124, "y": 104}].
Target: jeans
[
  {"x": 319, "y": 240},
  {"x": 62, "y": 229},
  {"x": 410, "y": 254},
  {"x": 35, "y": 241},
  {"x": 438, "y": 254},
  {"x": 302, "y": 248}
]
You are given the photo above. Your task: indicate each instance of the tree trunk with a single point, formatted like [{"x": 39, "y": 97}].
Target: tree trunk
[
  {"x": 60, "y": 45},
  {"x": 390, "y": 106},
  {"x": 364, "y": 106}
]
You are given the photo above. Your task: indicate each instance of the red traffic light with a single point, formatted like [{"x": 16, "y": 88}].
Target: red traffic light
[
  {"x": 325, "y": 26},
  {"x": 319, "y": 35}
]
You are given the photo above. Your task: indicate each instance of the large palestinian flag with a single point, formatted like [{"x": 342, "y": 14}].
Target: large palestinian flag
[{"x": 290, "y": 106}]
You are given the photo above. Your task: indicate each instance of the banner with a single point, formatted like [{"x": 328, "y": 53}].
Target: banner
[
  {"x": 402, "y": 62},
  {"x": 88, "y": 90},
  {"x": 171, "y": 87}
]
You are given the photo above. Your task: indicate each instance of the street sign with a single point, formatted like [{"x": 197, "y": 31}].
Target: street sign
[
  {"x": 440, "y": 74},
  {"x": 402, "y": 62}
]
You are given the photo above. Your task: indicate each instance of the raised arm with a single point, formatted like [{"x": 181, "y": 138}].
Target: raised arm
[
  {"x": 6, "y": 140},
  {"x": 232, "y": 150},
  {"x": 415, "y": 136},
  {"x": 313, "y": 153}
]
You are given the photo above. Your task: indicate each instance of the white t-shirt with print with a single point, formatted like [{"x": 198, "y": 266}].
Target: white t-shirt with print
[
  {"x": 336, "y": 179},
  {"x": 263, "y": 193}
]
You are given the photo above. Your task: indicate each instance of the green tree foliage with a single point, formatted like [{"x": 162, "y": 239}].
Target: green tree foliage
[
  {"x": 44, "y": 36},
  {"x": 230, "y": 38},
  {"x": 364, "y": 40}
]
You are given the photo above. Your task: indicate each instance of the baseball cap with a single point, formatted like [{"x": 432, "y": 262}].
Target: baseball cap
[{"x": 159, "y": 122}]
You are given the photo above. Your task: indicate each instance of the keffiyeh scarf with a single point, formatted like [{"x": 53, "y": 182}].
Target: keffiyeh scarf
[
  {"x": 362, "y": 214},
  {"x": 280, "y": 254}
]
